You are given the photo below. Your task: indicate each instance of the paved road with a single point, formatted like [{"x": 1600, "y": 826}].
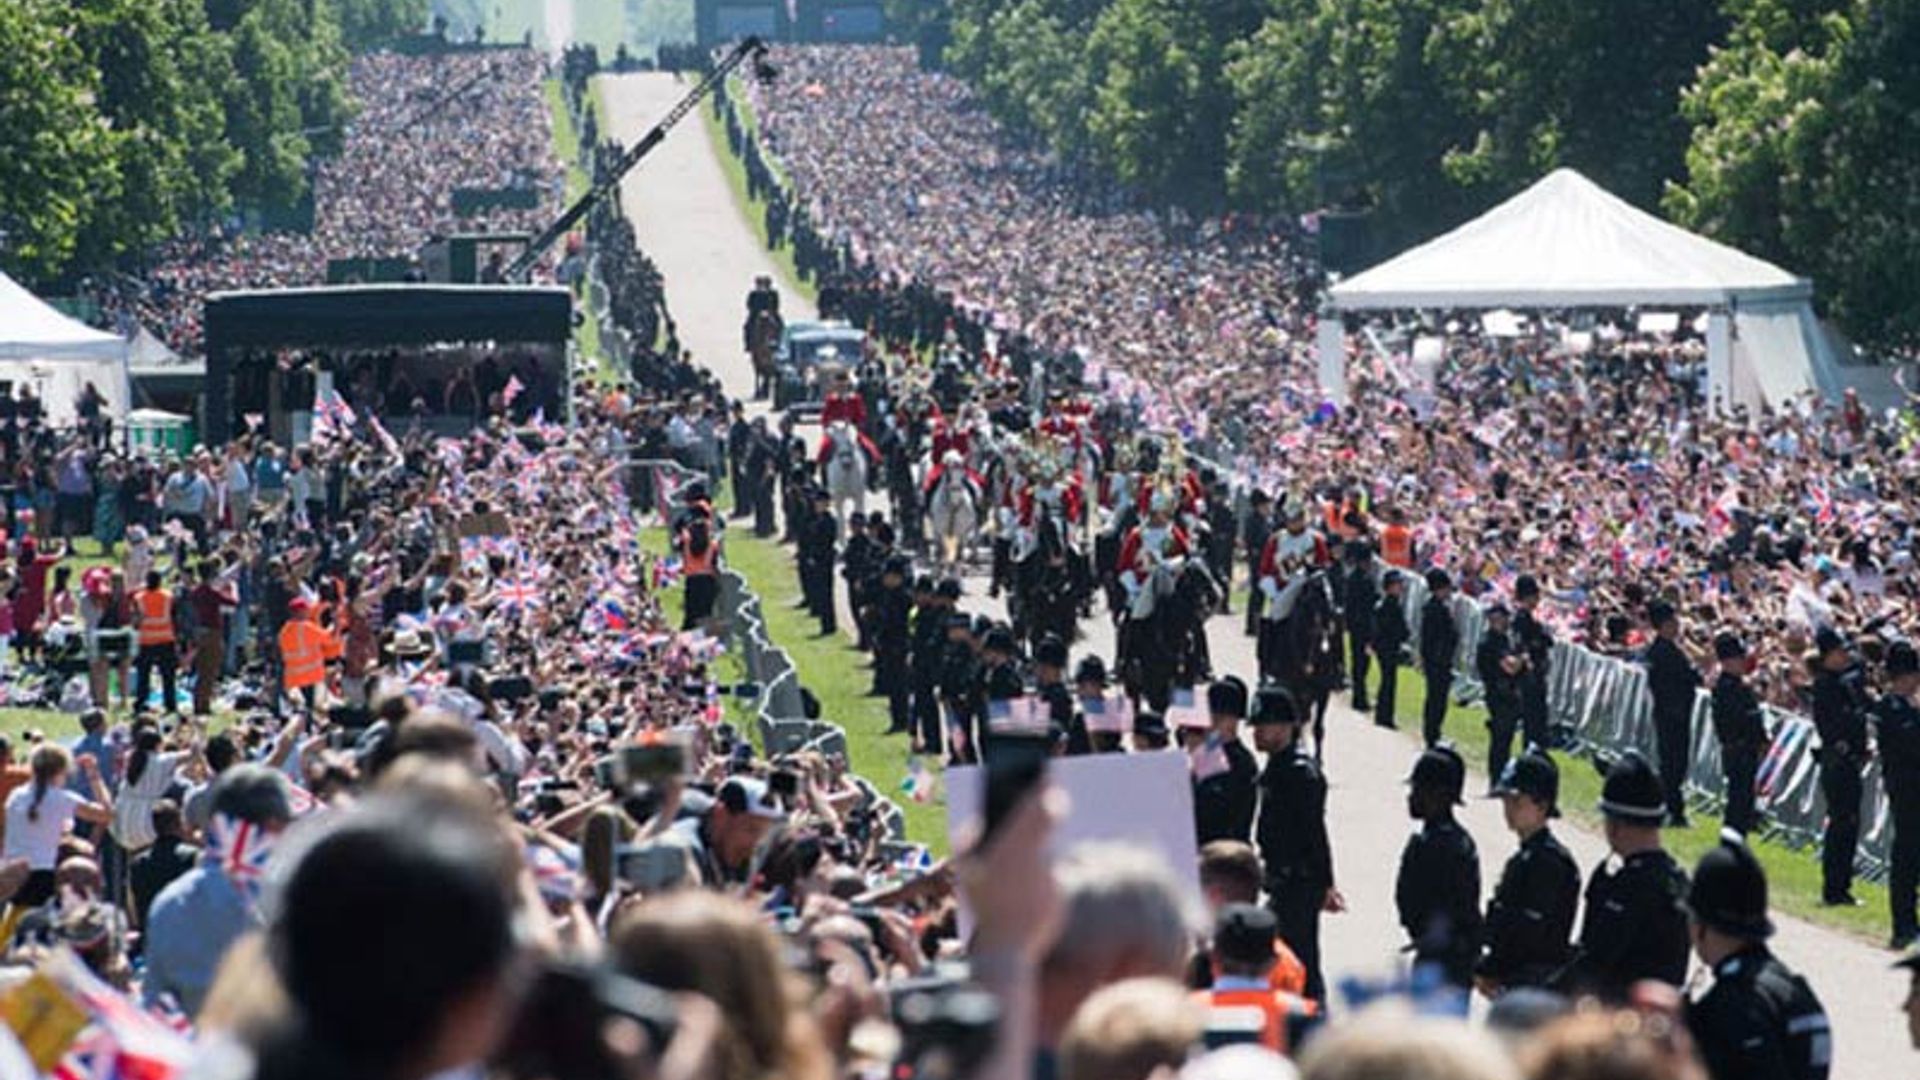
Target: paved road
[
  {"x": 686, "y": 219},
  {"x": 688, "y": 222}
]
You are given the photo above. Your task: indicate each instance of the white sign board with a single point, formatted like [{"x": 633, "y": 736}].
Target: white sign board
[{"x": 1143, "y": 799}]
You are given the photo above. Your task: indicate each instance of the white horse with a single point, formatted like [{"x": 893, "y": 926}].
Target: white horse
[
  {"x": 954, "y": 510},
  {"x": 846, "y": 469}
]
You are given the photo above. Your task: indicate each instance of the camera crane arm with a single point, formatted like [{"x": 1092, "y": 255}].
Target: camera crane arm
[{"x": 751, "y": 48}]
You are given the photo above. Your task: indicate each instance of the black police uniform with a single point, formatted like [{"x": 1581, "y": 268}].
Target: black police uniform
[
  {"x": 1502, "y": 695},
  {"x": 1299, "y": 860},
  {"x": 1390, "y": 634},
  {"x": 1359, "y": 599},
  {"x": 1743, "y": 739},
  {"x": 1840, "y": 716},
  {"x": 1439, "y": 645},
  {"x": 1259, "y": 526},
  {"x": 892, "y": 631},
  {"x": 1635, "y": 925},
  {"x": 1438, "y": 897},
  {"x": 1674, "y": 685},
  {"x": 816, "y": 551},
  {"x": 960, "y": 694},
  {"x": 859, "y": 565},
  {"x": 1760, "y": 1021},
  {"x": 1529, "y": 926},
  {"x": 926, "y": 658},
  {"x": 1536, "y": 641},
  {"x": 1223, "y": 805},
  {"x": 1897, "y": 723}
]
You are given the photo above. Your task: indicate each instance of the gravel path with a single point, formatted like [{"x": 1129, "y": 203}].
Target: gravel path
[
  {"x": 689, "y": 223},
  {"x": 687, "y": 220}
]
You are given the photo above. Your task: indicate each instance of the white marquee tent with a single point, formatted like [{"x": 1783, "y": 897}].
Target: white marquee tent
[
  {"x": 1566, "y": 242},
  {"x": 56, "y": 355}
]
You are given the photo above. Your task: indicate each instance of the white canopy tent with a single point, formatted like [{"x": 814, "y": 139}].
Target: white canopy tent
[
  {"x": 1566, "y": 242},
  {"x": 56, "y": 356}
]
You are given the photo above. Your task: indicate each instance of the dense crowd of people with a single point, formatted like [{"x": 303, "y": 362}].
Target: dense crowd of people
[
  {"x": 424, "y": 126},
  {"x": 439, "y": 687},
  {"x": 1584, "y": 470}
]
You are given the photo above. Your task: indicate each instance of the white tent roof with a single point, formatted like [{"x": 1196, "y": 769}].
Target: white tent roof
[
  {"x": 32, "y": 330},
  {"x": 1566, "y": 242}
]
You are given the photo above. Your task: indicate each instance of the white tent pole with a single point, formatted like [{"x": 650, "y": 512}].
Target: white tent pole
[
  {"x": 1719, "y": 361},
  {"x": 1333, "y": 356}
]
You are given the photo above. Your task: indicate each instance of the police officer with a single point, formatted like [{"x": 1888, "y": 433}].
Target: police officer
[
  {"x": 1840, "y": 718},
  {"x": 1390, "y": 636},
  {"x": 859, "y": 565},
  {"x": 1223, "y": 804},
  {"x": 927, "y": 657},
  {"x": 1358, "y": 599},
  {"x": 1740, "y": 729},
  {"x": 1438, "y": 890},
  {"x": 1897, "y": 724},
  {"x": 1050, "y": 686},
  {"x": 1293, "y": 832},
  {"x": 1674, "y": 685},
  {"x": 816, "y": 554},
  {"x": 891, "y": 612},
  {"x": 1499, "y": 663},
  {"x": 960, "y": 687},
  {"x": 1439, "y": 646},
  {"x": 1636, "y": 926},
  {"x": 1758, "y": 1021},
  {"x": 1530, "y": 918},
  {"x": 1536, "y": 641},
  {"x": 1254, "y": 533}
]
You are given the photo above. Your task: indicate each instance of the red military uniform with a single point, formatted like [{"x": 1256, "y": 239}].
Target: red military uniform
[
  {"x": 844, "y": 406},
  {"x": 946, "y": 438},
  {"x": 1174, "y": 545}
]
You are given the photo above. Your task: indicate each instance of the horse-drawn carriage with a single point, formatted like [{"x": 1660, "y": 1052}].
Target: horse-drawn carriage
[{"x": 812, "y": 360}]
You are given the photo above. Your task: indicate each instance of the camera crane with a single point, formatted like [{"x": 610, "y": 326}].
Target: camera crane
[{"x": 751, "y": 48}]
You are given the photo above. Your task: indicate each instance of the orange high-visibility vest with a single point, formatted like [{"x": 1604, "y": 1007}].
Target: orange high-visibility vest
[
  {"x": 1396, "y": 546},
  {"x": 1277, "y": 1005},
  {"x": 303, "y": 654},
  {"x": 156, "y": 616}
]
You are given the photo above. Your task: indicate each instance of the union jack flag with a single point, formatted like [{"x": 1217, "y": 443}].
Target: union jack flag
[
  {"x": 1793, "y": 735},
  {"x": 240, "y": 850},
  {"x": 122, "y": 1042},
  {"x": 666, "y": 572},
  {"x": 518, "y": 593}
]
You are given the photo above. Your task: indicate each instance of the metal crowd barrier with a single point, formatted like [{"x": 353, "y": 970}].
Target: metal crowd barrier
[
  {"x": 1603, "y": 705},
  {"x": 779, "y": 709}
]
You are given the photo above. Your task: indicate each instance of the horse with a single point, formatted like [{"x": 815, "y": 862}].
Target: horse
[
  {"x": 1163, "y": 636},
  {"x": 763, "y": 335},
  {"x": 953, "y": 510},
  {"x": 846, "y": 469},
  {"x": 1301, "y": 651},
  {"x": 1050, "y": 584}
]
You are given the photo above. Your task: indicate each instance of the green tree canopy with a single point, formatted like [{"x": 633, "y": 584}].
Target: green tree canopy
[
  {"x": 57, "y": 160},
  {"x": 1806, "y": 150}
]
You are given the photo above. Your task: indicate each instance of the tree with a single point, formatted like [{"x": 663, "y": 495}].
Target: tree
[
  {"x": 1567, "y": 82},
  {"x": 159, "y": 66},
  {"x": 368, "y": 24},
  {"x": 1806, "y": 151},
  {"x": 1340, "y": 103},
  {"x": 56, "y": 157}
]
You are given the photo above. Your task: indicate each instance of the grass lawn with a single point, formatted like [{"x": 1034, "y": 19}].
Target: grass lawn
[
  {"x": 837, "y": 674},
  {"x": 1793, "y": 875},
  {"x": 513, "y": 20},
  {"x": 752, "y": 209}
]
